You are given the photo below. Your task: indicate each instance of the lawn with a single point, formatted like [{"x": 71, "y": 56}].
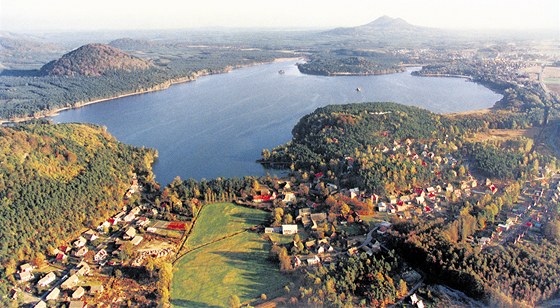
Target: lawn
[
  {"x": 237, "y": 265},
  {"x": 220, "y": 219}
]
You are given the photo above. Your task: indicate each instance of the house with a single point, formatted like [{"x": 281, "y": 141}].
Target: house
[
  {"x": 289, "y": 229},
  {"x": 80, "y": 242},
  {"x": 420, "y": 304},
  {"x": 414, "y": 299},
  {"x": 353, "y": 192},
  {"x": 71, "y": 282},
  {"x": 420, "y": 200},
  {"x": 48, "y": 279},
  {"x": 78, "y": 293},
  {"x": 382, "y": 207},
  {"x": 61, "y": 257},
  {"x": 313, "y": 261},
  {"x": 83, "y": 268},
  {"x": 264, "y": 198},
  {"x": 96, "y": 289},
  {"x": 81, "y": 252},
  {"x": 142, "y": 221},
  {"x": 492, "y": 189},
  {"x": 25, "y": 276},
  {"x": 77, "y": 304},
  {"x": 297, "y": 262},
  {"x": 53, "y": 294},
  {"x": 64, "y": 249},
  {"x": 269, "y": 230},
  {"x": 100, "y": 255},
  {"x": 90, "y": 235},
  {"x": 25, "y": 272},
  {"x": 289, "y": 197},
  {"x": 105, "y": 225},
  {"x": 40, "y": 304},
  {"x": 136, "y": 240},
  {"x": 26, "y": 267},
  {"x": 129, "y": 234}
]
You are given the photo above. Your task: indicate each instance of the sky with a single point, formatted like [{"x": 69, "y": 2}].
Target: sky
[{"x": 93, "y": 15}]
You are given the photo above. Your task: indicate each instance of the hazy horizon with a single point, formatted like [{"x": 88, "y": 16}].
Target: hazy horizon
[{"x": 127, "y": 15}]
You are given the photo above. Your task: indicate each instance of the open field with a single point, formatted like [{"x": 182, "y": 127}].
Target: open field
[
  {"x": 551, "y": 79},
  {"x": 221, "y": 219},
  {"x": 230, "y": 261},
  {"x": 505, "y": 134}
]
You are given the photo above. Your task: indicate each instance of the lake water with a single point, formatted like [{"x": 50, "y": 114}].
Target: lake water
[{"x": 218, "y": 125}]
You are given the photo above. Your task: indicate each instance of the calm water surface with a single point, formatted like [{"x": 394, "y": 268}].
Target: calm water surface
[{"x": 218, "y": 125}]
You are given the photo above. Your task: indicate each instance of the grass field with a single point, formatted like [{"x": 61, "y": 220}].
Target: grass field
[{"x": 236, "y": 265}]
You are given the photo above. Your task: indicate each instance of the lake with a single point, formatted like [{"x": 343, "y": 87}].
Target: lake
[{"x": 218, "y": 125}]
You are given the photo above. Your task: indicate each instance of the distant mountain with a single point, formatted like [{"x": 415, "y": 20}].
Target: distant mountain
[
  {"x": 94, "y": 60},
  {"x": 131, "y": 44},
  {"x": 383, "y": 26},
  {"x": 17, "y": 45}
]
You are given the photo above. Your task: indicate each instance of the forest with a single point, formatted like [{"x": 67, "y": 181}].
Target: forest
[
  {"x": 23, "y": 95},
  {"x": 56, "y": 180},
  {"x": 350, "y": 62}
]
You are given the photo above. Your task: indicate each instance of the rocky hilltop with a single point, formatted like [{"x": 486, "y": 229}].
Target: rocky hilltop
[{"x": 94, "y": 60}]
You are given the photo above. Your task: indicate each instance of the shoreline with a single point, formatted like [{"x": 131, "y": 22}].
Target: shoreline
[{"x": 159, "y": 87}]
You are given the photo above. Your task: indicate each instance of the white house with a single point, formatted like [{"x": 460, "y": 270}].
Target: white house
[
  {"x": 80, "y": 242},
  {"x": 53, "y": 294},
  {"x": 100, "y": 255},
  {"x": 289, "y": 229},
  {"x": 45, "y": 281}
]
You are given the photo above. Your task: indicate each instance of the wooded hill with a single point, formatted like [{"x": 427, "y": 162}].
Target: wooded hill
[
  {"x": 56, "y": 180},
  {"x": 94, "y": 60}
]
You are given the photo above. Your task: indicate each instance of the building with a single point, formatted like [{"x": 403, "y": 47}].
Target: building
[
  {"x": 48, "y": 279},
  {"x": 289, "y": 197},
  {"x": 53, "y": 294},
  {"x": 83, "y": 268},
  {"x": 136, "y": 240},
  {"x": 71, "y": 282},
  {"x": 80, "y": 242},
  {"x": 100, "y": 255},
  {"x": 313, "y": 261},
  {"x": 78, "y": 293},
  {"x": 77, "y": 304},
  {"x": 81, "y": 252},
  {"x": 26, "y": 272},
  {"x": 289, "y": 229},
  {"x": 129, "y": 234},
  {"x": 40, "y": 304},
  {"x": 89, "y": 235},
  {"x": 382, "y": 207}
]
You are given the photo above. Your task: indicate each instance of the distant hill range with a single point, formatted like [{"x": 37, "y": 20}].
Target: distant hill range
[
  {"x": 94, "y": 60},
  {"x": 386, "y": 27},
  {"x": 131, "y": 44}
]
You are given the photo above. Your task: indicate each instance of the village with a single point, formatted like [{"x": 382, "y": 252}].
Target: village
[
  {"x": 82, "y": 272},
  {"x": 317, "y": 222}
]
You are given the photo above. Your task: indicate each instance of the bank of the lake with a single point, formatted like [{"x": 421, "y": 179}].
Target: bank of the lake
[
  {"x": 217, "y": 125},
  {"x": 159, "y": 87}
]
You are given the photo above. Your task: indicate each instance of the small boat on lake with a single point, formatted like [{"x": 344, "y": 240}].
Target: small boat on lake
[
  {"x": 358, "y": 90},
  {"x": 281, "y": 72}
]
